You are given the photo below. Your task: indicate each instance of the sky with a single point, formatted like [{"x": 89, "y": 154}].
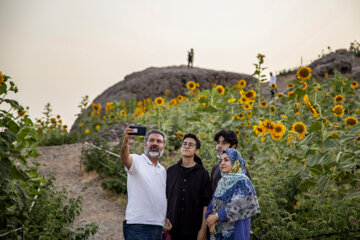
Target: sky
[{"x": 58, "y": 51}]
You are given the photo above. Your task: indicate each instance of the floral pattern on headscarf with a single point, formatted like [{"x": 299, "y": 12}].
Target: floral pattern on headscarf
[{"x": 238, "y": 170}]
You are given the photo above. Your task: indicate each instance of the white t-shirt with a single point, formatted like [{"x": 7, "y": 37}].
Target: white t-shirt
[
  {"x": 272, "y": 80},
  {"x": 146, "y": 186}
]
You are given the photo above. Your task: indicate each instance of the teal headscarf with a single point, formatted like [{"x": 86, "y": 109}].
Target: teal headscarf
[{"x": 237, "y": 172}]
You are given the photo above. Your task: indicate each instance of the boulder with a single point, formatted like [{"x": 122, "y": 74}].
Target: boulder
[
  {"x": 152, "y": 82},
  {"x": 341, "y": 60}
]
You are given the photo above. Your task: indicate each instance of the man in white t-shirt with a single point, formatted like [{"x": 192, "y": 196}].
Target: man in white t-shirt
[{"x": 146, "y": 187}]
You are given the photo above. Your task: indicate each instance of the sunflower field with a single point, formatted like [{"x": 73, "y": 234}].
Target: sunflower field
[{"x": 302, "y": 147}]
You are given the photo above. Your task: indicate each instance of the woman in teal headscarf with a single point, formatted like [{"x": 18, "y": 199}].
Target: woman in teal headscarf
[{"x": 234, "y": 201}]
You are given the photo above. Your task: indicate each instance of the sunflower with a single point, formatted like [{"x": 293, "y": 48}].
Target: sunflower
[
  {"x": 263, "y": 104},
  {"x": 213, "y": 85},
  {"x": 180, "y": 135},
  {"x": 279, "y": 128},
  {"x": 123, "y": 113},
  {"x": 243, "y": 100},
  {"x": 180, "y": 98},
  {"x": 290, "y": 94},
  {"x": 173, "y": 102},
  {"x": 291, "y": 140},
  {"x": 290, "y": 85},
  {"x": 97, "y": 127},
  {"x": 87, "y": 131},
  {"x": 167, "y": 91},
  {"x": 338, "y": 110},
  {"x": 249, "y": 114},
  {"x": 279, "y": 95},
  {"x": 311, "y": 108},
  {"x": 351, "y": 121},
  {"x": 96, "y": 107},
  {"x": 299, "y": 128},
  {"x": 304, "y": 73},
  {"x": 81, "y": 124},
  {"x": 53, "y": 120},
  {"x": 358, "y": 111},
  {"x": 2, "y": 78},
  {"x": 242, "y": 83},
  {"x": 276, "y": 137},
  {"x": 21, "y": 113},
  {"x": 247, "y": 106},
  {"x": 272, "y": 108},
  {"x": 64, "y": 128},
  {"x": 220, "y": 89},
  {"x": 354, "y": 84},
  {"x": 191, "y": 85},
  {"x": 305, "y": 85},
  {"x": 250, "y": 94},
  {"x": 259, "y": 130},
  {"x": 273, "y": 86},
  {"x": 231, "y": 100},
  {"x": 326, "y": 75},
  {"x": 237, "y": 132},
  {"x": 58, "y": 116},
  {"x": 263, "y": 138},
  {"x": 333, "y": 134},
  {"x": 260, "y": 55},
  {"x": 241, "y": 116},
  {"x": 339, "y": 98},
  {"x": 267, "y": 125}
]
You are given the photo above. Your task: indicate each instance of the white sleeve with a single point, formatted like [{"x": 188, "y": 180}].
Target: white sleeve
[{"x": 132, "y": 168}]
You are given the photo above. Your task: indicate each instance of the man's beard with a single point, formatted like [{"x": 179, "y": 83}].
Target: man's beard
[{"x": 153, "y": 152}]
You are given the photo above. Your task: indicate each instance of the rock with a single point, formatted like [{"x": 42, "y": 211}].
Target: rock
[
  {"x": 341, "y": 60},
  {"x": 153, "y": 81}
]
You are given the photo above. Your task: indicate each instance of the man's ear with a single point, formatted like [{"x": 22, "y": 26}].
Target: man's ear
[
  {"x": 233, "y": 146},
  {"x": 197, "y": 151}
]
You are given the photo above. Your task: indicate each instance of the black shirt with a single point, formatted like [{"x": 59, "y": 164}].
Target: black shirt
[{"x": 188, "y": 191}]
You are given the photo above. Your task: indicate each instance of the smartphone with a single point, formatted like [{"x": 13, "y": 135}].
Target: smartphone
[{"x": 138, "y": 130}]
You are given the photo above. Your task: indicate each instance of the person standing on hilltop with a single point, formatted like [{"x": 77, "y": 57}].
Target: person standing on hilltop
[
  {"x": 146, "y": 186},
  {"x": 191, "y": 57}
]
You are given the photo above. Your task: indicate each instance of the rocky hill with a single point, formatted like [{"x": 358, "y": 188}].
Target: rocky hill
[{"x": 152, "y": 82}]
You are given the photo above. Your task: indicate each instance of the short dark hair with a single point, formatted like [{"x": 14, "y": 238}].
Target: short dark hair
[
  {"x": 229, "y": 136},
  {"x": 193, "y": 136},
  {"x": 157, "y": 132}
]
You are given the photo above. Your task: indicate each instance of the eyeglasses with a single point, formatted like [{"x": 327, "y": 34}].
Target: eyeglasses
[{"x": 186, "y": 144}]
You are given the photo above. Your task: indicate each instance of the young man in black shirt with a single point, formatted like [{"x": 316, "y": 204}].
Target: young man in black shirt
[{"x": 188, "y": 190}]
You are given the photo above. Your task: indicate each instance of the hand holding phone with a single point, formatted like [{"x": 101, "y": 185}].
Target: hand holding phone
[{"x": 138, "y": 130}]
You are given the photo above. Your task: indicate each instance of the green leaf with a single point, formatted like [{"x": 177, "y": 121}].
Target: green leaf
[
  {"x": 13, "y": 103},
  {"x": 323, "y": 183},
  {"x": 315, "y": 126},
  {"x": 306, "y": 184},
  {"x": 5, "y": 169},
  {"x": 13, "y": 126}
]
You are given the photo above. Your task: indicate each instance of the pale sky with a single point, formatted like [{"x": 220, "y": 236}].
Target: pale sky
[{"x": 60, "y": 50}]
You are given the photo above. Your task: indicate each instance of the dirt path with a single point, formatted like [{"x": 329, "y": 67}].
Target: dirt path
[{"x": 97, "y": 206}]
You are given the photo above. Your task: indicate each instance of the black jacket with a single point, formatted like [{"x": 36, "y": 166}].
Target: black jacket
[{"x": 188, "y": 191}]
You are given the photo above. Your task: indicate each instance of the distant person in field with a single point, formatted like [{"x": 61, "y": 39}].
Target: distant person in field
[
  {"x": 188, "y": 190},
  {"x": 191, "y": 57},
  {"x": 146, "y": 186},
  {"x": 273, "y": 87}
]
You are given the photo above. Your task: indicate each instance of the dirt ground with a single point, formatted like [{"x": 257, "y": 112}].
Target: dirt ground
[{"x": 104, "y": 208}]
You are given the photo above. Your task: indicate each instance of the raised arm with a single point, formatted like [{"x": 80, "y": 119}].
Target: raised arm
[{"x": 126, "y": 159}]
